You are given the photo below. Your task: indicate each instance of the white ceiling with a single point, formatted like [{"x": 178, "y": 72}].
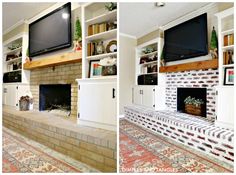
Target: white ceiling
[
  {"x": 14, "y": 12},
  {"x": 137, "y": 18}
]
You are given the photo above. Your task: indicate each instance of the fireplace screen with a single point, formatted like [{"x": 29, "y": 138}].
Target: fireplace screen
[
  {"x": 56, "y": 96},
  {"x": 192, "y": 101}
]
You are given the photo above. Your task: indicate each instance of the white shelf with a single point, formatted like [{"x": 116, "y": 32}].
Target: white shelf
[
  {"x": 226, "y": 32},
  {"x": 12, "y": 51},
  {"x": 13, "y": 71},
  {"x": 228, "y": 65},
  {"x": 14, "y": 60},
  {"x": 147, "y": 63},
  {"x": 103, "y": 77},
  {"x": 110, "y": 16},
  {"x": 148, "y": 73},
  {"x": 103, "y": 35},
  {"x": 97, "y": 57},
  {"x": 228, "y": 47},
  {"x": 142, "y": 55}
]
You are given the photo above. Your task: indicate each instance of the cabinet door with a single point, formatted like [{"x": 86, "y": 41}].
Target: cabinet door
[
  {"x": 137, "y": 95},
  {"x": 225, "y": 106},
  {"x": 10, "y": 95},
  {"x": 98, "y": 102},
  {"x": 148, "y": 96}
]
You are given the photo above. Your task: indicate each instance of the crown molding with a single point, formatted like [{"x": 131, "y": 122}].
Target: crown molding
[
  {"x": 127, "y": 35},
  {"x": 9, "y": 29}
]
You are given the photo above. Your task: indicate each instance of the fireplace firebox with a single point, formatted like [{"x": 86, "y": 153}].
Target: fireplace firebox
[
  {"x": 190, "y": 93},
  {"x": 55, "y": 96}
]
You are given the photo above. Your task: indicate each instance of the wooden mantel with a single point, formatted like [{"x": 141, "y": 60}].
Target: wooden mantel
[
  {"x": 65, "y": 58},
  {"x": 208, "y": 64}
]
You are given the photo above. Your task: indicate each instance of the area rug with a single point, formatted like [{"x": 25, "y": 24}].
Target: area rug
[
  {"x": 141, "y": 151},
  {"x": 22, "y": 155}
]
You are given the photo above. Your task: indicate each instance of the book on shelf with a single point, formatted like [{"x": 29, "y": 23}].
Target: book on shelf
[
  {"x": 228, "y": 57},
  {"x": 97, "y": 28},
  {"x": 228, "y": 39},
  {"x": 91, "y": 49}
]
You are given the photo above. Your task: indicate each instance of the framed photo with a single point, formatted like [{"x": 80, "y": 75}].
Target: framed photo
[
  {"x": 95, "y": 70},
  {"x": 229, "y": 76}
]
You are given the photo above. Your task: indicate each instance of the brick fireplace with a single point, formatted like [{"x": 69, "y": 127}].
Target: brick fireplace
[
  {"x": 207, "y": 78},
  {"x": 55, "y": 96},
  {"x": 63, "y": 74}
]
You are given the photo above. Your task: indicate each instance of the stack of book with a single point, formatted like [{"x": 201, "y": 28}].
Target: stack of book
[
  {"x": 228, "y": 39},
  {"x": 228, "y": 57},
  {"x": 97, "y": 28},
  {"x": 91, "y": 49}
]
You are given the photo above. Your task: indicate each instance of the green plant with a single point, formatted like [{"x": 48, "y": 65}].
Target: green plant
[
  {"x": 111, "y": 6},
  {"x": 214, "y": 40},
  {"x": 78, "y": 31},
  {"x": 192, "y": 101}
]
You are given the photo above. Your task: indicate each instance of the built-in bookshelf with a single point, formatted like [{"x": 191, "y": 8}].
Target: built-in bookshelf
[
  {"x": 226, "y": 46},
  {"x": 100, "y": 39},
  {"x": 146, "y": 59}
]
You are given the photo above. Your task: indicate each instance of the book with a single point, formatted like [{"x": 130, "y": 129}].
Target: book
[{"x": 226, "y": 40}]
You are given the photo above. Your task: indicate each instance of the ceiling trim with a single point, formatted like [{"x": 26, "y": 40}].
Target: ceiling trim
[
  {"x": 188, "y": 16},
  {"x": 9, "y": 29},
  {"x": 174, "y": 22},
  {"x": 46, "y": 11},
  {"x": 128, "y": 36},
  {"x": 141, "y": 34}
]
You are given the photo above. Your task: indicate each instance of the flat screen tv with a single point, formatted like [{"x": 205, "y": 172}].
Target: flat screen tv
[
  {"x": 51, "y": 32},
  {"x": 186, "y": 40}
]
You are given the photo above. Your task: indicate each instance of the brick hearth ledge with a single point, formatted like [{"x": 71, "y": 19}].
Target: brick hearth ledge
[
  {"x": 192, "y": 131},
  {"x": 95, "y": 147}
]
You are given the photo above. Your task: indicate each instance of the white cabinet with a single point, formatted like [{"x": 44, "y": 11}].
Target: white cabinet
[
  {"x": 10, "y": 95},
  {"x": 98, "y": 103},
  {"x": 13, "y": 92},
  {"x": 225, "y": 107},
  {"x": 144, "y": 95}
]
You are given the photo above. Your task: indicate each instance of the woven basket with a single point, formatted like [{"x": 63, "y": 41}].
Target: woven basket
[
  {"x": 24, "y": 105},
  {"x": 192, "y": 109}
]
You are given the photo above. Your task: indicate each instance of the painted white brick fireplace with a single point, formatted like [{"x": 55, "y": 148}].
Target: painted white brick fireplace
[{"x": 193, "y": 79}]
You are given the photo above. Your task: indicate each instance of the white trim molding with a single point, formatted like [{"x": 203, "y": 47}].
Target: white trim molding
[{"x": 127, "y": 35}]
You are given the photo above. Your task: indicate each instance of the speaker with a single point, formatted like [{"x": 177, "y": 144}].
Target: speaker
[
  {"x": 11, "y": 77},
  {"x": 147, "y": 79}
]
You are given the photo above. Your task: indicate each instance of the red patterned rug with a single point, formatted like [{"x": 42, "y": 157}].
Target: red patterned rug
[
  {"x": 20, "y": 157},
  {"x": 141, "y": 151}
]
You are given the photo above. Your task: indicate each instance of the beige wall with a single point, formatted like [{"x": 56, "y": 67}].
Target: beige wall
[
  {"x": 19, "y": 29},
  {"x": 148, "y": 37},
  {"x": 126, "y": 71}
]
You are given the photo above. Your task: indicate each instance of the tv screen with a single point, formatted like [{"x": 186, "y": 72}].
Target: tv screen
[
  {"x": 186, "y": 40},
  {"x": 51, "y": 32}
]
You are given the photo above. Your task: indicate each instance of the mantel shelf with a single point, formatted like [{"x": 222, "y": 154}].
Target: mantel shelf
[
  {"x": 208, "y": 64},
  {"x": 65, "y": 58}
]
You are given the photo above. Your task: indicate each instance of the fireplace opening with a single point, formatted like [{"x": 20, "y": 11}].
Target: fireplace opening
[
  {"x": 55, "y": 97},
  {"x": 192, "y": 101}
]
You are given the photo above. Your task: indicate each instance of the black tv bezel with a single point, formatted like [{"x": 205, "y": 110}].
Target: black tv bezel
[
  {"x": 205, "y": 52},
  {"x": 62, "y": 46}
]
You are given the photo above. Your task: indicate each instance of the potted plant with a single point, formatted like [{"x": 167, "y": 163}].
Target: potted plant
[
  {"x": 24, "y": 103},
  {"x": 193, "y": 106},
  {"x": 214, "y": 44},
  {"x": 111, "y": 6},
  {"x": 77, "y": 36}
]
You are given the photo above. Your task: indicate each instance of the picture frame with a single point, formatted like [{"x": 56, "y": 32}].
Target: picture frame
[
  {"x": 229, "y": 76},
  {"x": 95, "y": 70}
]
